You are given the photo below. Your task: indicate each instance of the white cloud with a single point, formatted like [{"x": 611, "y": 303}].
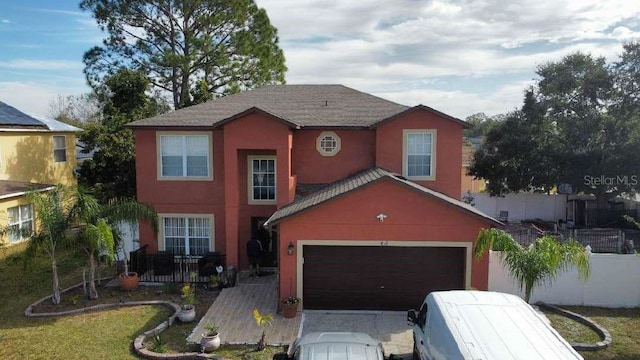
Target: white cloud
[
  {"x": 29, "y": 64},
  {"x": 32, "y": 97},
  {"x": 5, "y": 21},
  {"x": 381, "y": 47}
]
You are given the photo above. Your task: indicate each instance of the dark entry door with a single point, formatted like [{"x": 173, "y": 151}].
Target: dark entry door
[
  {"x": 268, "y": 239},
  {"x": 381, "y": 278}
]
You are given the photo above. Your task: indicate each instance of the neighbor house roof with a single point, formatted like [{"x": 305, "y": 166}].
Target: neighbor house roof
[
  {"x": 9, "y": 189},
  {"x": 14, "y": 119},
  {"x": 11, "y": 117},
  {"x": 296, "y": 105},
  {"x": 359, "y": 180},
  {"x": 55, "y": 125}
]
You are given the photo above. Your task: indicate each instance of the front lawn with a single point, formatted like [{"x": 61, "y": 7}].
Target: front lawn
[
  {"x": 95, "y": 335},
  {"x": 623, "y": 324}
]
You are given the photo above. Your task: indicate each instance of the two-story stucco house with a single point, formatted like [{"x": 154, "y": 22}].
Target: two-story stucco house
[
  {"x": 35, "y": 154},
  {"x": 358, "y": 195}
]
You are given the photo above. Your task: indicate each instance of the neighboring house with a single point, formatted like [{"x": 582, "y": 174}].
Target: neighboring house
[
  {"x": 358, "y": 194},
  {"x": 469, "y": 183},
  {"x": 35, "y": 154}
]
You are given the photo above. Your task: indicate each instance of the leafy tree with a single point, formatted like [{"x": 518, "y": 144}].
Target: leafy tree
[
  {"x": 538, "y": 264},
  {"x": 579, "y": 125},
  {"x": 519, "y": 152},
  {"x": 190, "y": 48},
  {"x": 481, "y": 123},
  {"x": 124, "y": 98},
  {"x": 76, "y": 110}
]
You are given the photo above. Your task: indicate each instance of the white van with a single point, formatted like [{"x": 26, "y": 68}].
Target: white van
[{"x": 483, "y": 325}]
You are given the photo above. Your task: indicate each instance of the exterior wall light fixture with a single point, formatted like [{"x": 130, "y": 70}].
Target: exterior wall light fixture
[{"x": 290, "y": 248}]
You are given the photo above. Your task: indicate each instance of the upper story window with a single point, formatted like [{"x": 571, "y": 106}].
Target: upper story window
[
  {"x": 187, "y": 235},
  {"x": 328, "y": 143},
  {"x": 185, "y": 156},
  {"x": 419, "y": 154},
  {"x": 262, "y": 179},
  {"x": 20, "y": 222},
  {"x": 59, "y": 148}
]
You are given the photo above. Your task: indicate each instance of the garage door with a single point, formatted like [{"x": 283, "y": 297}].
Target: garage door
[{"x": 381, "y": 278}]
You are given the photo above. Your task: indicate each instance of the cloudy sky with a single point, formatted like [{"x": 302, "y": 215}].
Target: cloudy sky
[{"x": 460, "y": 57}]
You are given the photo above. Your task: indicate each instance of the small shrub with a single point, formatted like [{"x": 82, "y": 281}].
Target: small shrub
[{"x": 158, "y": 345}]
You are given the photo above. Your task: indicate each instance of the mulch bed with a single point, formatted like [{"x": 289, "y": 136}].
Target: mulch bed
[{"x": 76, "y": 299}]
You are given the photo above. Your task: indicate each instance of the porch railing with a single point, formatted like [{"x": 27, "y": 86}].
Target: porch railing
[{"x": 165, "y": 266}]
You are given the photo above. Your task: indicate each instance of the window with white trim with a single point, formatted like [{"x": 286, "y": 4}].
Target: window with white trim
[
  {"x": 20, "y": 222},
  {"x": 328, "y": 143},
  {"x": 419, "y": 154},
  {"x": 184, "y": 156},
  {"x": 262, "y": 176},
  {"x": 59, "y": 148},
  {"x": 187, "y": 235}
]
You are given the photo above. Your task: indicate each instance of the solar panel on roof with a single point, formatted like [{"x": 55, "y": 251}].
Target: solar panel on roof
[{"x": 10, "y": 116}]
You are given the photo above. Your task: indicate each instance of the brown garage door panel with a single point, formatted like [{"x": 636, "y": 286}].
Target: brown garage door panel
[{"x": 371, "y": 277}]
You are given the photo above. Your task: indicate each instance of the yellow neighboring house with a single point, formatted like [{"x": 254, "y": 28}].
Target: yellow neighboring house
[{"x": 35, "y": 154}]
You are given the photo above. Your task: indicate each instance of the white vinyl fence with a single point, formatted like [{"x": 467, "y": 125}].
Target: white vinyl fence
[
  {"x": 524, "y": 206},
  {"x": 614, "y": 282},
  {"x": 131, "y": 235}
]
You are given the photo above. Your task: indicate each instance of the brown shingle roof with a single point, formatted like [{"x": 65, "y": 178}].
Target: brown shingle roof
[
  {"x": 360, "y": 180},
  {"x": 297, "y": 105},
  {"x": 16, "y": 188}
]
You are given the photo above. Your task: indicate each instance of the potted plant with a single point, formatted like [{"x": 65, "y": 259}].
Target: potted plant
[
  {"x": 290, "y": 306},
  {"x": 213, "y": 283},
  {"x": 210, "y": 338},
  {"x": 188, "y": 312},
  {"x": 129, "y": 280}
]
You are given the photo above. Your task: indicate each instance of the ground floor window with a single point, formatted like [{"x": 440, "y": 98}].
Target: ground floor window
[
  {"x": 187, "y": 235},
  {"x": 20, "y": 222}
]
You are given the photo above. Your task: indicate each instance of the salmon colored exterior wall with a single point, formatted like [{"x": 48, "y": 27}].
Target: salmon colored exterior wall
[
  {"x": 411, "y": 216},
  {"x": 298, "y": 161},
  {"x": 226, "y": 196},
  {"x": 175, "y": 196},
  {"x": 357, "y": 153},
  {"x": 389, "y": 140}
]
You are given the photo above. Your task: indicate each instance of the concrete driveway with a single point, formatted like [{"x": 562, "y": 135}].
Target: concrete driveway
[{"x": 390, "y": 327}]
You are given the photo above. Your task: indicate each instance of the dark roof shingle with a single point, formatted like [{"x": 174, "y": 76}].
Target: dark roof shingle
[
  {"x": 301, "y": 105},
  {"x": 360, "y": 180},
  {"x": 16, "y": 188}
]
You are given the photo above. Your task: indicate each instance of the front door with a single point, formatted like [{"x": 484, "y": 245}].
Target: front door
[{"x": 268, "y": 239}]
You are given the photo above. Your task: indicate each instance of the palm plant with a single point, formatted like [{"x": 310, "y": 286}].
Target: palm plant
[
  {"x": 96, "y": 240},
  {"x": 262, "y": 320},
  {"x": 538, "y": 264},
  {"x": 63, "y": 207},
  {"x": 119, "y": 211},
  {"x": 101, "y": 234},
  {"x": 54, "y": 213}
]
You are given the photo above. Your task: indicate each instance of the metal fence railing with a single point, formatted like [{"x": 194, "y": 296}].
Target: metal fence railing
[
  {"x": 601, "y": 240},
  {"x": 165, "y": 266},
  {"x": 610, "y": 218}
]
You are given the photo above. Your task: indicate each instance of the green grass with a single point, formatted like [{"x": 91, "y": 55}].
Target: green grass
[
  {"x": 623, "y": 324},
  {"x": 96, "y": 335}
]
